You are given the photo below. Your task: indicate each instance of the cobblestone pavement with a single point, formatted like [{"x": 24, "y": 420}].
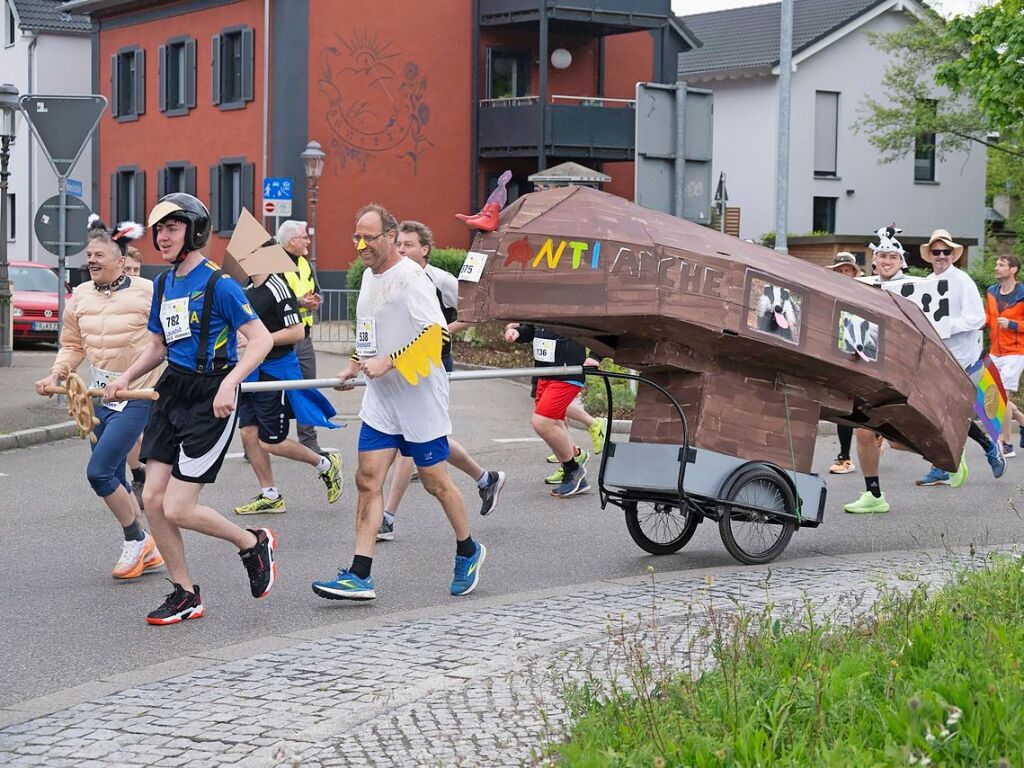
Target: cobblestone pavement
[{"x": 474, "y": 687}]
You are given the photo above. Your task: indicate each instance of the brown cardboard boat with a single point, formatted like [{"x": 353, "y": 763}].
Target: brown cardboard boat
[{"x": 756, "y": 345}]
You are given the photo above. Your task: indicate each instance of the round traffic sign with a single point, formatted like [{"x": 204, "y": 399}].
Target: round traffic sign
[{"x": 47, "y": 225}]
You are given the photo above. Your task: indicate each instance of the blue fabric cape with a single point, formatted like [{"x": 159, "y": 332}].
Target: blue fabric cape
[{"x": 308, "y": 405}]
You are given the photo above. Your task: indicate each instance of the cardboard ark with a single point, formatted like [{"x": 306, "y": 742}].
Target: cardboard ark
[{"x": 756, "y": 345}]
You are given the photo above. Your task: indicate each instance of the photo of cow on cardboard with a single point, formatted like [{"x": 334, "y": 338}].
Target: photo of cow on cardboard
[{"x": 774, "y": 310}]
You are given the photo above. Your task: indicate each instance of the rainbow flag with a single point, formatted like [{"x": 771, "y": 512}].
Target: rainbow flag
[{"x": 990, "y": 405}]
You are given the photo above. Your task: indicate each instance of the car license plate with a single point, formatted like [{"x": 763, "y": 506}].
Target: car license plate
[{"x": 44, "y": 326}]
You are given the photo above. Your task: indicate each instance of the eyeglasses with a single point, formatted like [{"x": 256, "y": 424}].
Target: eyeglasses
[
  {"x": 366, "y": 238},
  {"x": 942, "y": 252}
]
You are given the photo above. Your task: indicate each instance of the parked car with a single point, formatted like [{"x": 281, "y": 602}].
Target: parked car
[{"x": 35, "y": 301}]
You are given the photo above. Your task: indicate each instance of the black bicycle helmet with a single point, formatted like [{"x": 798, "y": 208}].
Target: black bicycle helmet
[{"x": 187, "y": 209}]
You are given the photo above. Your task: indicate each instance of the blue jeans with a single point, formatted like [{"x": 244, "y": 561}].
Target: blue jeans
[{"x": 115, "y": 437}]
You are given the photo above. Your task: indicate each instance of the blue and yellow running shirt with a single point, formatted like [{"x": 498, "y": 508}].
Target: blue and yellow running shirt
[{"x": 184, "y": 297}]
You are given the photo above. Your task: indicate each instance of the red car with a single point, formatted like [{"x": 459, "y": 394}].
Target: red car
[{"x": 35, "y": 301}]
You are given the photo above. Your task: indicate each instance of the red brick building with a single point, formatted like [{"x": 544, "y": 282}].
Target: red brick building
[{"x": 419, "y": 106}]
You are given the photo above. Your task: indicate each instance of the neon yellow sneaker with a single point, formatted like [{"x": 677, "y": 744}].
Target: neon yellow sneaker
[
  {"x": 868, "y": 504},
  {"x": 556, "y": 478},
  {"x": 261, "y": 505},
  {"x": 582, "y": 457},
  {"x": 552, "y": 459},
  {"x": 333, "y": 478},
  {"x": 959, "y": 477},
  {"x": 598, "y": 432}
]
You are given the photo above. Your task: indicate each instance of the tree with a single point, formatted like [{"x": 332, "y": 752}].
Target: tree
[{"x": 977, "y": 60}]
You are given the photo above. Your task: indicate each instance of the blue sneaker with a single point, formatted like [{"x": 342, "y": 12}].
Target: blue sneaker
[
  {"x": 996, "y": 460},
  {"x": 346, "y": 586},
  {"x": 467, "y": 571},
  {"x": 572, "y": 484},
  {"x": 935, "y": 476}
]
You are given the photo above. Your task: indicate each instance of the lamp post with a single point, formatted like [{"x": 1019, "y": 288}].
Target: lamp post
[
  {"x": 313, "y": 159},
  {"x": 9, "y": 113}
]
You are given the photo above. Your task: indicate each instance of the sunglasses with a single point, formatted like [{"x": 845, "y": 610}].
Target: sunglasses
[
  {"x": 942, "y": 251},
  {"x": 367, "y": 238}
]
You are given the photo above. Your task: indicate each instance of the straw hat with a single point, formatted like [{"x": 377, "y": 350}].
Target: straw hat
[
  {"x": 845, "y": 259},
  {"x": 942, "y": 236}
]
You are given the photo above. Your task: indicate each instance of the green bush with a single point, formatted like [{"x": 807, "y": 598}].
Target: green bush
[{"x": 448, "y": 259}]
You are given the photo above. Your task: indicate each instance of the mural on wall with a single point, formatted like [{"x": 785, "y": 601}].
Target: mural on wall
[{"x": 375, "y": 101}]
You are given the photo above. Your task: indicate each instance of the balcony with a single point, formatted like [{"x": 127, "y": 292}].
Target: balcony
[
  {"x": 576, "y": 127},
  {"x": 612, "y": 16}
]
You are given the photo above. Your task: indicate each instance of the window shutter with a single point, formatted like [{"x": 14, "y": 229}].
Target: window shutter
[
  {"x": 248, "y": 185},
  {"x": 161, "y": 77},
  {"x": 248, "y": 64},
  {"x": 215, "y": 198},
  {"x": 190, "y": 180},
  {"x": 190, "y": 73},
  {"x": 139, "y": 214},
  {"x": 115, "y": 88},
  {"x": 161, "y": 182},
  {"x": 113, "y": 197},
  {"x": 140, "y": 81},
  {"x": 215, "y": 66}
]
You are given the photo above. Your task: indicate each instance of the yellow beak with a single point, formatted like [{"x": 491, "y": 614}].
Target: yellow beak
[{"x": 361, "y": 245}]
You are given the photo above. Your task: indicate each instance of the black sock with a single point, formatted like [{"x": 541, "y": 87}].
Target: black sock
[
  {"x": 361, "y": 566},
  {"x": 466, "y": 547},
  {"x": 873, "y": 486},
  {"x": 139, "y": 474},
  {"x": 977, "y": 434},
  {"x": 133, "y": 532},
  {"x": 569, "y": 466}
]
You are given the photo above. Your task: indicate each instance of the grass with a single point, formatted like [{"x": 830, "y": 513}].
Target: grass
[{"x": 917, "y": 680}]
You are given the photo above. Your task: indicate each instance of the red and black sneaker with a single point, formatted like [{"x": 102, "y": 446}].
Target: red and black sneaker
[
  {"x": 178, "y": 606},
  {"x": 259, "y": 562}
]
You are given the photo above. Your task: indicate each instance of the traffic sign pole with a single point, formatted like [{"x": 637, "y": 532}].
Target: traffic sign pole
[{"x": 62, "y": 278}]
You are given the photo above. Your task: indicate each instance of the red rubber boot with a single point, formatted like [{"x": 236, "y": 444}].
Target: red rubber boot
[{"x": 486, "y": 220}]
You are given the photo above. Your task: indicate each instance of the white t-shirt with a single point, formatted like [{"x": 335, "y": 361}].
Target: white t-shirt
[{"x": 401, "y": 302}]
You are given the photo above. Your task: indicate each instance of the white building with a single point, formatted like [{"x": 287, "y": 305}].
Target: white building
[
  {"x": 46, "y": 52},
  {"x": 836, "y": 183}
]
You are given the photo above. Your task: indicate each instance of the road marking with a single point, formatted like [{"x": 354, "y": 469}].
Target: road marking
[
  {"x": 517, "y": 439},
  {"x": 4, "y": 475}
]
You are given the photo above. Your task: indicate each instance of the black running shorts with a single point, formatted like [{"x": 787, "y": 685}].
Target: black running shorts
[
  {"x": 182, "y": 430},
  {"x": 269, "y": 412}
]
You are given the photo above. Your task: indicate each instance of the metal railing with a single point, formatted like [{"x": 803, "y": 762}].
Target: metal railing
[
  {"x": 583, "y": 101},
  {"x": 333, "y": 327}
]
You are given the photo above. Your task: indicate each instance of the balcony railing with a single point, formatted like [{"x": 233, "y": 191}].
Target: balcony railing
[
  {"x": 577, "y": 126},
  {"x": 616, "y": 15}
]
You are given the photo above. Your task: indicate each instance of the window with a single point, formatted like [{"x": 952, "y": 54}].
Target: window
[
  {"x": 176, "y": 176},
  {"x": 177, "y": 61},
  {"x": 924, "y": 151},
  {"x": 12, "y": 217},
  {"x": 127, "y": 195},
  {"x": 233, "y": 67},
  {"x": 824, "y": 218},
  {"x": 508, "y": 74},
  {"x": 232, "y": 186},
  {"x": 826, "y": 132},
  {"x": 128, "y": 83},
  {"x": 10, "y": 24}
]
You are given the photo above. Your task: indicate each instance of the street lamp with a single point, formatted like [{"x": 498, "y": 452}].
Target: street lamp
[
  {"x": 9, "y": 114},
  {"x": 313, "y": 159}
]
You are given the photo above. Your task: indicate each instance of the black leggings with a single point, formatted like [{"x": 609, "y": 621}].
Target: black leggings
[
  {"x": 845, "y": 439},
  {"x": 977, "y": 434}
]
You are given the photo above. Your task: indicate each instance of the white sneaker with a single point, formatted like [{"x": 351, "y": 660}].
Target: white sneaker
[{"x": 135, "y": 558}]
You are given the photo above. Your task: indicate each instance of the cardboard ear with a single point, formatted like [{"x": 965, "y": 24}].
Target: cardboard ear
[{"x": 252, "y": 251}]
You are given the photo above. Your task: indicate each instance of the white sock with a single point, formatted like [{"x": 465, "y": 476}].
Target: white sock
[
  {"x": 271, "y": 493},
  {"x": 484, "y": 480},
  {"x": 324, "y": 464}
]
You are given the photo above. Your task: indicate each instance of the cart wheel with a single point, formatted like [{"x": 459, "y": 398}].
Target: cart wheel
[
  {"x": 755, "y": 537},
  {"x": 658, "y": 528}
]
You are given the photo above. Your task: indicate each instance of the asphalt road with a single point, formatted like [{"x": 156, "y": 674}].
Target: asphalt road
[{"x": 65, "y": 621}]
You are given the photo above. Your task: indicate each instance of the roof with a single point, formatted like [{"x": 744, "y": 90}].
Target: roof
[
  {"x": 747, "y": 39},
  {"x": 570, "y": 172},
  {"x": 46, "y": 16}
]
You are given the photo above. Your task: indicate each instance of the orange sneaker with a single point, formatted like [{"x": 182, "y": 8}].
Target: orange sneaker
[
  {"x": 132, "y": 562},
  {"x": 841, "y": 467},
  {"x": 153, "y": 560}
]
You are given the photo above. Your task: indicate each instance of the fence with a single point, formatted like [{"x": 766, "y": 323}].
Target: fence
[{"x": 333, "y": 330}]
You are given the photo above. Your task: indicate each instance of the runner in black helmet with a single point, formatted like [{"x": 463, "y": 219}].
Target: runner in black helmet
[{"x": 196, "y": 312}]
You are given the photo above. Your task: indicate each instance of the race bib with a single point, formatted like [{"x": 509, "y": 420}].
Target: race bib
[
  {"x": 99, "y": 380},
  {"x": 366, "y": 337},
  {"x": 174, "y": 319},
  {"x": 473, "y": 267},
  {"x": 544, "y": 350}
]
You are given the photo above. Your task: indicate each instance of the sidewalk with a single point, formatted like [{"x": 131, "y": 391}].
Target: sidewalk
[{"x": 478, "y": 683}]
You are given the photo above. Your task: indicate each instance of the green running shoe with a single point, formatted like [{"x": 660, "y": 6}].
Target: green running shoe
[
  {"x": 582, "y": 457},
  {"x": 556, "y": 478},
  {"x": 959, "y": 477},
  {"x": 333, "y": 478},
  {"x": 552, "y": 459},
  {"x": 868, "y": 504},
  {"x": 598, "y": 433},
  {"x": 261, "y": 505}
]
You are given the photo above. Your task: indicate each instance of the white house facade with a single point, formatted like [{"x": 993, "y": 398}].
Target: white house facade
[
  {"x": 837, "y": 183},
  {"x": 43, "y": 51}
]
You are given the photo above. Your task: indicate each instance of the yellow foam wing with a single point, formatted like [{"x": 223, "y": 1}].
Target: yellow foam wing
[{"x": 415, "y": 359}]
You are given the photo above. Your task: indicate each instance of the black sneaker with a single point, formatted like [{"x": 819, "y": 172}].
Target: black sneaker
[
  {"x": 490, "y": 492},
  {"x": 178, "y": 606},
  {"x": 259, "y": 562}
]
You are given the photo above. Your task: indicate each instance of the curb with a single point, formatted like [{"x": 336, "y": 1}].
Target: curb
[{"x": 24, "y": 438}]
